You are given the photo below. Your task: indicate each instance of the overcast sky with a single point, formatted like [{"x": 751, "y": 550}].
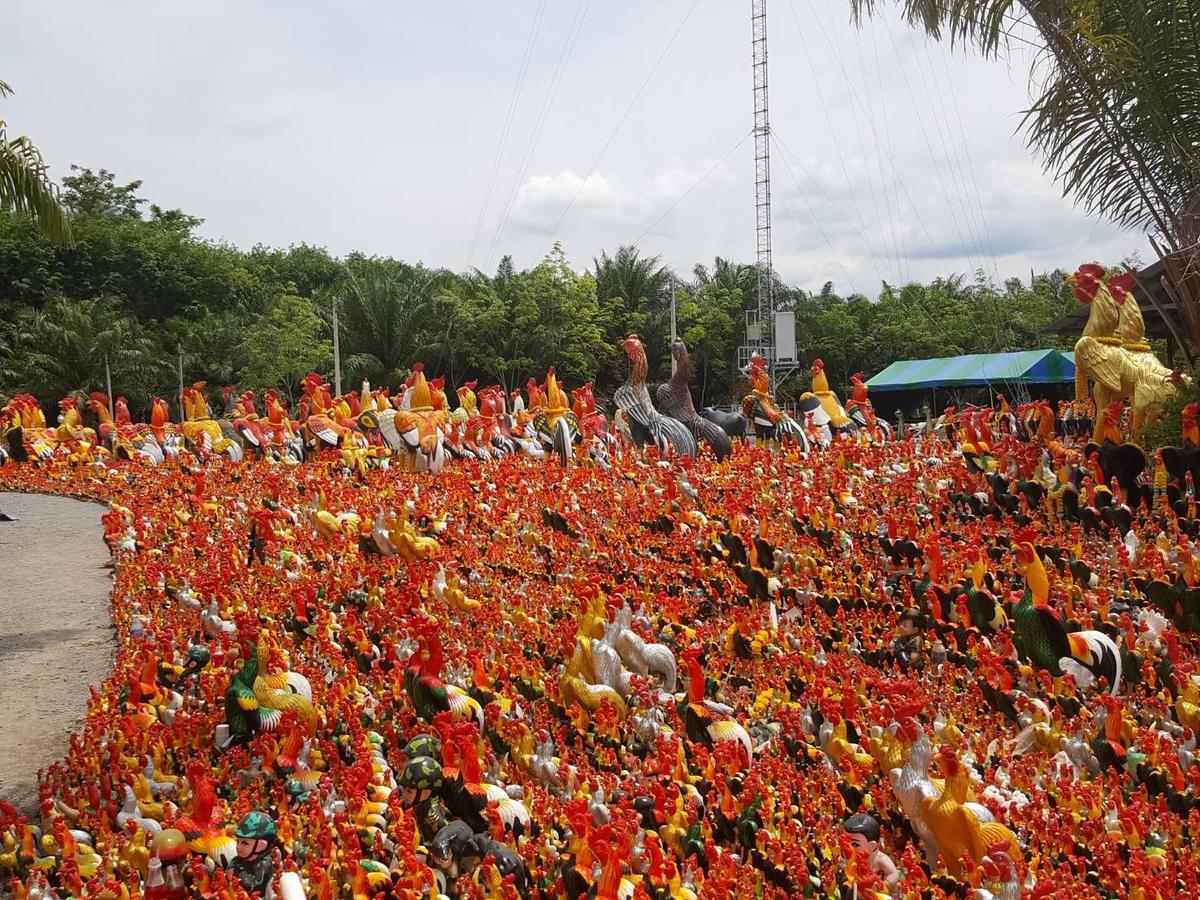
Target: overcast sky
[{"x": 375, "y": 126}]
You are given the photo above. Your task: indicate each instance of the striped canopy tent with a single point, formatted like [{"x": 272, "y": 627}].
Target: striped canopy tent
[{"x": 977, "y": 370}]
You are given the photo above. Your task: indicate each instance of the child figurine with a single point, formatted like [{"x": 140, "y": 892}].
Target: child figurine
[
  {"x": 864, "y": 832},
  {"x": 907, "y": 647},
  {"x": 256, "y": 838}
]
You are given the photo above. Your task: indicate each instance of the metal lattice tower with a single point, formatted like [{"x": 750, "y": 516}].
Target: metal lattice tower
[{"x": 760, "y": 323}]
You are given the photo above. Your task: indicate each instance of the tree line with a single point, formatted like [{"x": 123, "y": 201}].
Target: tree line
[{"x": 137, "y": 288}]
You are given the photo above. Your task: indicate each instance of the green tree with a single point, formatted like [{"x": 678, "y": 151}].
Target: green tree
[
  {"x": 98, "y": 194},
  {"x": 284, "y": 345},
  {"x": 709, "y": 320},
  {"x": 25, "y": 187},
  {"x": 497, "y": 322},
  {"x": 388, "y": 316},
  {"x": 61, "y": 349},
  {"x": 632, "y": 292}
]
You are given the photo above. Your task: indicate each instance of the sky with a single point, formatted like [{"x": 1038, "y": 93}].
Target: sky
[{"x": 455, "y": 132}]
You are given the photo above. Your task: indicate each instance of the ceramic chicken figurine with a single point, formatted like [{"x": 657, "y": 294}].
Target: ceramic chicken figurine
[
  {"x": 417, "y": 429},
  {"x": 201, "y": 431},
  {"x": 960, "y": 834},
  {"x": 555, "y": 423},
  {"x": 768, "y": 421},
  {"x": 1041, "y": 637},
  {"x": 675, "y": 400},
  {"x": 423, "y": 682},
  {"x": 204, "y": 826},
  {"x": 706, "y": 721},
  {"x": 829, "y": 401},
  {"x": 646, "y": 426}
]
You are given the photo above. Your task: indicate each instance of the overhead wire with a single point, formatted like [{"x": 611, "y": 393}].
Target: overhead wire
[
  {"x": 962, "y": 133},
  {"x": 617, "y": 128},
  {"x": 950, "y": 207},
  {"x": 697, "y": 184},
  {"x": 784, "y": 152},
  {"x": 829, "y": 121},
  {"x": 574, "y": 30},
  {"x": 855, "y": 103},
  {"x": 933, "y": 90},
  {"x": 891, "y": 155},
  {"x": 539, "y": 15},
  {"x": 880, "y": 150}
]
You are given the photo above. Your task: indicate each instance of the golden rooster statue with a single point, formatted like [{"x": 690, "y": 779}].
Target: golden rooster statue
[{"x": 1113, "y": 352}]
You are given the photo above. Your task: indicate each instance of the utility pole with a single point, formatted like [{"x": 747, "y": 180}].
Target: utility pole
[
  {"x": 108, "y": 385},
  {"x": 337, "y": 352},
  {"x": 674, "y": 332},
  {"x": 179, "y": 350}
]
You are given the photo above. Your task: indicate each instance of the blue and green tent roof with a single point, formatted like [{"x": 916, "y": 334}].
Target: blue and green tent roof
[{"x": 977, "y": 370}]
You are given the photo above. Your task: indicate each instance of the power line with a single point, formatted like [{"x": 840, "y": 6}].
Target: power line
[
  {"x": 539, "y": 15},
  {"x": 929, "y": 146},
  {"x": 784, "y": 153},
  {"x": 933, "y": 89},
  {"x": 574, "y": 30},
  {"x": 699, "y": 182},
  {"x": 608, "y": 143},
  {"x": 856, "y": 102}
]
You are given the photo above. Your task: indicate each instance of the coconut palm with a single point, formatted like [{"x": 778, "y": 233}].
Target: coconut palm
[
  {"x": 1118, "y": 117},
  {"x": 24, "y": 185}
]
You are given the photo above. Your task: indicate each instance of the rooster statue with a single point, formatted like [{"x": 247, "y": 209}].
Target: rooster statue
[
  {"x": 598, "y": 440},
  {"x": 675, "y": 400},
  {"x": 639, "y": 418},
  {"x": 423, "y": 682},
  {"x": 1040, "y": 636},
  {"x": 416, "y": 427},
  {"x": 555, "y": 423},
  {"x": 1113, "y": 351},
  {"x": 201, "y": 430},
  {"x": 824, "y": 403},
  {"x": 706, "y": 721},
  {"x": 769, "y": 422}
]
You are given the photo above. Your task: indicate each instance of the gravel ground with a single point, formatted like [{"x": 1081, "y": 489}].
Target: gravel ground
[{"x": 55, "y": 634}]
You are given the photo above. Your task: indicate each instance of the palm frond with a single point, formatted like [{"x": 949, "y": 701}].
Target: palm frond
[{"x": 25, "y": 187}]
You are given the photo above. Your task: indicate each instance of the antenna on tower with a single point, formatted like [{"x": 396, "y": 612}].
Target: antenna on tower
[{"x": 761, "y": 321}]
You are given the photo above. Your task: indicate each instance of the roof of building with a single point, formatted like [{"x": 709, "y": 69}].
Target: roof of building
[{"x": 977, "y": 370}]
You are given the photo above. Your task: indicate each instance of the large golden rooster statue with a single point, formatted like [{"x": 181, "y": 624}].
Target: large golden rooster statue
[{"x": 1113, "y": 352}]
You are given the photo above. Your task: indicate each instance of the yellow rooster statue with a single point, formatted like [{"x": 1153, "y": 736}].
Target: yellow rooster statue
[{"x": 1113, "y": 352}]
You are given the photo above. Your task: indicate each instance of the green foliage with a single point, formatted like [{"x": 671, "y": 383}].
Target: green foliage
[
  {"x": 61, "y": 349},
  {"x": 98, "y": 194},
  {"x": 516, "y": 325},
  {"x": 26, "y": 188},
  {"x": 1167, "y": 429},
  {"x": 284, "y": 345},
  {"x": 262, "y": 318},
  {"x": 388, "y": 316}
]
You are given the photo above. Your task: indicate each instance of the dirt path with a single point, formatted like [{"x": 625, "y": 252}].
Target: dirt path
[{"x": 55, "y": 634}]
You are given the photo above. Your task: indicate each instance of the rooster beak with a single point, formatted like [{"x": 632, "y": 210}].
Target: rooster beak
[{"x": 1072, "y": 280}]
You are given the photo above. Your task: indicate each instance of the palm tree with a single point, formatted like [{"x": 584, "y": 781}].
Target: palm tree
[
  {"x": 60, "y": 350},
  {"x": 1118, "y": 118},
  {"x": 388, "y": 318},
  {"x": 633, "y": 297},
  {"x": 25, "y": 187}
]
